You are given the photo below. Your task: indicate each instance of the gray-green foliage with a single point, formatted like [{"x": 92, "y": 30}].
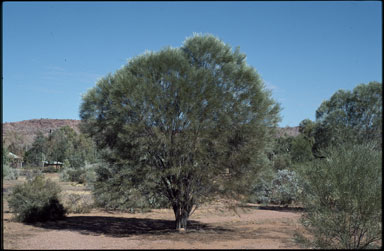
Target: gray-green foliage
[
  {"x": 115, "y": 189},
  {"x": 343, "y": 197},
  {"x": 63, "y": 145},
  {"x": 285, "y": 187},
  {"x": 291, "y": 150},
  {"x": 36, "y": 200},
  {"x": 261, "y": 187},
  {"x": 37, "y": 153},
  {"x": 276, "y": 187},
  {"x": 10, "y": 173},
  {"x": 351, "y": 116},
  {"x": 301, "y": 149},
  {"x": 78, "y": 203},
  {"x": 4, "y": 154},
  {"x": 174, "y": 120},
  {"x": 82, "y": 175}
]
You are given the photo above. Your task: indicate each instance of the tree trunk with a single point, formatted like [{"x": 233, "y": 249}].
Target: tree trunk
[{"x": 181, "y": 216}]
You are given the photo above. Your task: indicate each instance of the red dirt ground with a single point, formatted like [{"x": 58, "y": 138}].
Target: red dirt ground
[{"x": 211, "y": 227}]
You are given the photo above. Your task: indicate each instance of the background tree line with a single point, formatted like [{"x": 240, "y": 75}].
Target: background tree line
[
  {"x": 63, "y": 145},
  {"x": 348, "y": 117}
]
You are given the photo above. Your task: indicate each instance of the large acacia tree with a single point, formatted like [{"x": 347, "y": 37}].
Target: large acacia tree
[{"x": 177, "y": 119}]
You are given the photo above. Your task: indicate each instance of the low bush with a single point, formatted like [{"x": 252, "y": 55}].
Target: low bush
[
  {"x": 78, "y": 203},
  {"x": 10, "y": 173},
  {"x": 36, "y": 200}
]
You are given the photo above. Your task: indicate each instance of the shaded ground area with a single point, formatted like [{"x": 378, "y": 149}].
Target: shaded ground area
[{"x": 124, "y": 227}]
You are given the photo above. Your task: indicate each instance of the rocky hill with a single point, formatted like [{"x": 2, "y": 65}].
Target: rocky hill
[{"x": 26, "y": 130}]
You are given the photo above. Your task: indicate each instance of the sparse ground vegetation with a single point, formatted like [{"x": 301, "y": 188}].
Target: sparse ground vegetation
[{"x": 212, "y": 226}]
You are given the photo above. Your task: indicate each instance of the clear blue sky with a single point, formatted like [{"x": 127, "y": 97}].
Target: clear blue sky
[{"x": 53, "y": 52}]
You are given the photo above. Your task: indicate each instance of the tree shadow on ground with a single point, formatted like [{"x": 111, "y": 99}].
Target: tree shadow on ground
[
  {"x": 276, "y": 208},
  {"x": 123, "y": 227}
]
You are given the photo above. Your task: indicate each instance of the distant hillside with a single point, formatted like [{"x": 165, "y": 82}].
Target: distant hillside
[{"x": 26, "y": 130}]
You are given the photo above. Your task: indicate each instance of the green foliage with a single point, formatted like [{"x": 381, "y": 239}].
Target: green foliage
[
  {"x": 113, "y": 190},
  {"x": 66, "y": 163},
  {"x": 36, "y": 154},
  {"x": 66, "y": 144},
  {"x": 178, "y": 117},
  {"x": 350, "y": 116},
  {"x": 283, "y": 145},
  {"x": 307, "y": 129},
  {"x": 36, "y": 200},
  {"x": 82, "y": 175},
  {"x": 49, "y": 169},
  {"x": 10, "y": 173},
  {"x": 73, "y": 175},
  {"x": 301, "y": 149},
  {"x": 4, "y": 156},
  {"x": 343, "y": 197},
  {"x": 282, "y": 161},
  {"x": 290, "y": 150},
  {"x": 63, "y": 145},
  {"x": 261, "y": 188},
  {"x": 32, "y": 173}
]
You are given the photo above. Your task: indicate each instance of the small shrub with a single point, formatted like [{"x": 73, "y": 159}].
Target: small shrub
[
  {"x": 10, "y": 173},
  {"x": 36, "y": 200},
  {"x": 78, "y": 203}
]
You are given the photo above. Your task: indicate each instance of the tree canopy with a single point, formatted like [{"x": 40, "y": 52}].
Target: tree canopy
[
  {"x": 175, "y": 120},
  {"x": 351, "y": 116}
]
